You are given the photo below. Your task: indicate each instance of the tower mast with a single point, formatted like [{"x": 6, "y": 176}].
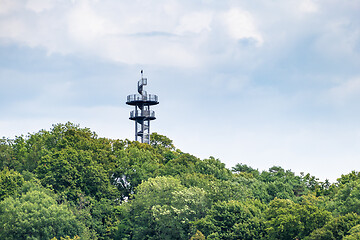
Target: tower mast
[{"x": 142, "y": 115}]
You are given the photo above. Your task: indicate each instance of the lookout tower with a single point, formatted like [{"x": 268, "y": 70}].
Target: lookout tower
[{"x": 142, "y": 115}]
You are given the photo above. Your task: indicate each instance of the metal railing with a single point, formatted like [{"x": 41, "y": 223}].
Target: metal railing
[
  {"x": 143, "y": 113},
  {"x": 138, "y": 97},
  {"x": 142, "y": 82}
]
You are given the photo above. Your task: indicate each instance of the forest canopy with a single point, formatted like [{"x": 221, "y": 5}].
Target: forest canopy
[{"x": 68, "y": 183}]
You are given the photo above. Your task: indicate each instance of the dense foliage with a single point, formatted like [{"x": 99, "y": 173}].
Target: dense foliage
[{"x": 67, "y": 183}]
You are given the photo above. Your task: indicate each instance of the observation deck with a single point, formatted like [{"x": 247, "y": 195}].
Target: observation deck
[
  {"x": 137, "y": 99},
  {"x": 144, "y": 114}
]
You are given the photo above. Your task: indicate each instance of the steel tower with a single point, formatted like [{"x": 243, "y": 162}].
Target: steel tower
[{"x": 142, "y": 115}]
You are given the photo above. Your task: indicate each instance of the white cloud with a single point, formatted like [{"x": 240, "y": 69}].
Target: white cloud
[
  {"x": 308, "y": 6},
  {"x": 39, "y": 5},
  {"x": 241, "y": 25},
  {"x": 85, "y": 25},
  {"x": 135, "y": 32},
  {"x": 340, "y": 39},
  {"x": 138, "y": 32},
  {"x": 194, "y": 23},
  {"x": 12, "y": 28},
  {"x": 7, "y": 6},
  {"x": 344, "y": 92}
]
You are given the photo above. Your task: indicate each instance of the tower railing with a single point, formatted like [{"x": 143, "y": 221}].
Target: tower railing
[
  {"x": 138, "y": 97},
  {"x": 143, "y": 113}
]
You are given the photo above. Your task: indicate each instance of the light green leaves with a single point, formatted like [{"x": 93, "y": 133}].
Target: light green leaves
[{"x": 36, "y": 215}]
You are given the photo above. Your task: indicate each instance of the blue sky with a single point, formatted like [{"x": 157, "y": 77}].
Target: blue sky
[{"x": 257, "y": 82}]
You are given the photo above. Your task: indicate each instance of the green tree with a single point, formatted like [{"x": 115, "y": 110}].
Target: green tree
[
  {"x": 182, "y": 164},
  {"x": 164, "y": 146},
  {"x": 70, "y": 172},
  {"x": 10, "y": 182},
  {"x": 354, "y": 233},
  {"x": 67, "y": 238},
  {"x": 7, "y": 155},
  {"x": 198, "y": 236},
  {"x": 289, "y": 220},
  {"x": 215, "y": 167},
  {"x": 336, "y": 228},
  {"x": 244, "y": 169},
  {"x": 347, "y": 198},
  {"x": 35, "y": 214},
  {"x": 216, "y": 189},
  {"x": 233, "y": 220},
  {"x": 105, "y": 218},
  {"x": 162, "y": 208},
  {"x": 135, "y": 163},
  {"x": 346, "y": 178},
  {"x": 161, "y": 141},
  {"x": 321, "y": 234},
  {"x": 255, "y": 188}
]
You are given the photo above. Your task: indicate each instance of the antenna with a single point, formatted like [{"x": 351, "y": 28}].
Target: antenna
[{"x": 142, "y": 115}]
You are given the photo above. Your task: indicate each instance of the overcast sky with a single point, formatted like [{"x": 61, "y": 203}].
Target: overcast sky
[{"x": 257, "y": 82}]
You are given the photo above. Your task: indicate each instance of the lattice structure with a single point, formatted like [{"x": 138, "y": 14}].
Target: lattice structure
[{"x": 142, "y": 115}]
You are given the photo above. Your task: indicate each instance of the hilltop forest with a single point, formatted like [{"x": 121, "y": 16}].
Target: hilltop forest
[{"x": 68, "y": 183}]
